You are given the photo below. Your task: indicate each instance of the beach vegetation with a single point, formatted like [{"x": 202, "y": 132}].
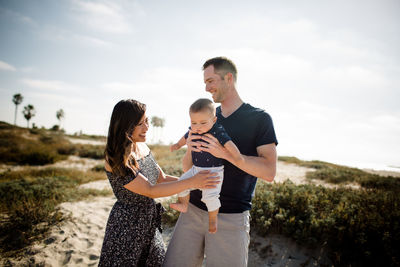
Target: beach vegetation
[
  {"x": 21, "y": 146},
  {"x": 357, "y": 227},
  {"x": 29, "y": 199},
  {"x": 338, "y": 174}
]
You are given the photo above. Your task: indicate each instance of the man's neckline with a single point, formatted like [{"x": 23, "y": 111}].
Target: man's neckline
[{"x": 220, "y": 111}]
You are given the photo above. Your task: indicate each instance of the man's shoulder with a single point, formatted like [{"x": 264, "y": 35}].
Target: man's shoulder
[
  {"x": 249, "y": 107},
  {"x": 250, "y": 110}
]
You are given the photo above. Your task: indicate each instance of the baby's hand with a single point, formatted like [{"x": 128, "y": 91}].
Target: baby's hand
[{"x": 174, "y": 147}]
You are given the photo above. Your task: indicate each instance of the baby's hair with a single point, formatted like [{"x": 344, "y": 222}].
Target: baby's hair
[{"x": 202, "y": 104}]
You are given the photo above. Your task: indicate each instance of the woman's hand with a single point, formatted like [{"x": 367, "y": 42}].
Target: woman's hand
[{"x": 205, "y": 180}]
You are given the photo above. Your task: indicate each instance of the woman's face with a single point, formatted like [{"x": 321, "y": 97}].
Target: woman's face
[{"x": 139, "y": 133}]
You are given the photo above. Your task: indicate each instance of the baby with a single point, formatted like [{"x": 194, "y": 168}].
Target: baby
[{"x": 203, "y": 120}]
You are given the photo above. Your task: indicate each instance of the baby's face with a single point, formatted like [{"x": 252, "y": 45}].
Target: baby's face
[{"x": 202, "y": 121}]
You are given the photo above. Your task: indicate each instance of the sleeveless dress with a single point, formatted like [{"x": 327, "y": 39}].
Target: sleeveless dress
[{"x": 133, "y": 232}]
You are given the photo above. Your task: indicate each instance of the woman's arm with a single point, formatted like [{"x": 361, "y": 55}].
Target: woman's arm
[
  {"x": 162, "y": 177},
  {"x": 142, "y": 186}
]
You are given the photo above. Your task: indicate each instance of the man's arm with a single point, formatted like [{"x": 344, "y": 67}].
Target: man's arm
[{"x": 262, "y": 166}]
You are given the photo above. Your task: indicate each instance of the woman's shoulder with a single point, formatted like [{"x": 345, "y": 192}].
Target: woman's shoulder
[
  {"x": 107, "y": 166},
  {"x": 144, "y": 149}
]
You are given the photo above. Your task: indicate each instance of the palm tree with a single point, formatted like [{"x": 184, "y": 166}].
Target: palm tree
[
  {"x": 60, "y": 115},
  {"x": 158, "y": 123},
  {"x": 17, "y": 99},
  {"x": 29, "y": 112}
]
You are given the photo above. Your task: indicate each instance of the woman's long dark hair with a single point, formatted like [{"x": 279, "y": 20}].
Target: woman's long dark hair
[{"x": 125, "y": 117}]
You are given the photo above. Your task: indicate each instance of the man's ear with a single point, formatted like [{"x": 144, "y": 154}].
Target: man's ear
[{"x": 229, "y": 77}]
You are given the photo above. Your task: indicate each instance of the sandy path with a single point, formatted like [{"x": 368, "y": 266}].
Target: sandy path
[
  {"x": 86, "y": 141},
  {"x": 77, "y": 241}
]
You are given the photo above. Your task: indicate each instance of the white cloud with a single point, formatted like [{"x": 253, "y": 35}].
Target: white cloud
[
  {"x": 6, "y": 66},
  {"x": 28, "y": 69},
  {"x": 92, "y": 41},
  {"x": 102, "y": 16},
  {"x": 54, "y": 90},
  {"x": 119, "y": 87},
  {"x": 50, "y": 85},
  {"x": 65, "y": 36},
  {"x": 17, "y": 16}
]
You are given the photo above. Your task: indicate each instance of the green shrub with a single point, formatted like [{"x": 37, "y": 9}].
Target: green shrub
[
  {"x": 90, "y": 151},
  {"x": 29, "y": 199},
  {"x": 79, "y": 177},
  {"x": 98, "y": 168},
  {"x": 170, "y": 162},
  {"x": 29, "y": 203},
  {"x": 67, "y": 149},
  {"x": 343, "y": 174},
  {"x": 38, "y": 156},
  {"x": 170, "y": 216},
  {"x": 30, "y": 155},
  {"x": 40, "y": 146},
  {"x": 338, "y": 174},
  {"x": 361, "y": 227},
  {"x": 20, "y": 146}
]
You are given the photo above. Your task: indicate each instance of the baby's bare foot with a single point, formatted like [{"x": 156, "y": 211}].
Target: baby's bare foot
[{"x": 179, "y": 207}]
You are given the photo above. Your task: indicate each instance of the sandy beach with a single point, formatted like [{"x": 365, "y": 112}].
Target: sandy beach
[{"x": 77, "y": 241}]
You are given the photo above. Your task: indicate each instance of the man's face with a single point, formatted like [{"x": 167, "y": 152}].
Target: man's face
[{"x": 215, "y": 85}]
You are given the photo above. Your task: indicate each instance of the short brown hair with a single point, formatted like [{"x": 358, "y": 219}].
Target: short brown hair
[
  {"x": 222, "y": 66},
  {"x": 202, "y": 104}
]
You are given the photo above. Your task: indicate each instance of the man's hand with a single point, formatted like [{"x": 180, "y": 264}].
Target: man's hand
[
  {"x": 192, "y": 145},
  {"x": 213, "y": 147}
]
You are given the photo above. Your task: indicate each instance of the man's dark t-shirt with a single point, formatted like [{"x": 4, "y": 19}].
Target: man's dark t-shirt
[{"x": 248, "y": 127}]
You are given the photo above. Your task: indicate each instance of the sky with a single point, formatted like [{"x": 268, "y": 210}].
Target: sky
[{"x": 328, "y": 72}]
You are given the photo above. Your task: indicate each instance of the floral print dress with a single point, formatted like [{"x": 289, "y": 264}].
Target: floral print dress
[{"x": 133, "y": 232}]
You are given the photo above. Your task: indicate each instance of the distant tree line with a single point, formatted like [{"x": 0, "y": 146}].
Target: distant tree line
[
  {"x": 29, "y": 111},
  {"x": 158, "y": 124}
]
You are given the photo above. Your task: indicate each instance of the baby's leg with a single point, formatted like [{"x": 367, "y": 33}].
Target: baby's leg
[
  {"x": 212, "y": 221},
  {"x": 183, "y": 197},
  {"x": 211, "y": 199},
  {"x": 182, "y": 203}
]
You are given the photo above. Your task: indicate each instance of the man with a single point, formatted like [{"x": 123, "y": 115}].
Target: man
[{"x": 252, "y": 131}]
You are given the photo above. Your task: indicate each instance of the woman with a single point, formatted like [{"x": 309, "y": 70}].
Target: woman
[{"x": 133, "y": 235}]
